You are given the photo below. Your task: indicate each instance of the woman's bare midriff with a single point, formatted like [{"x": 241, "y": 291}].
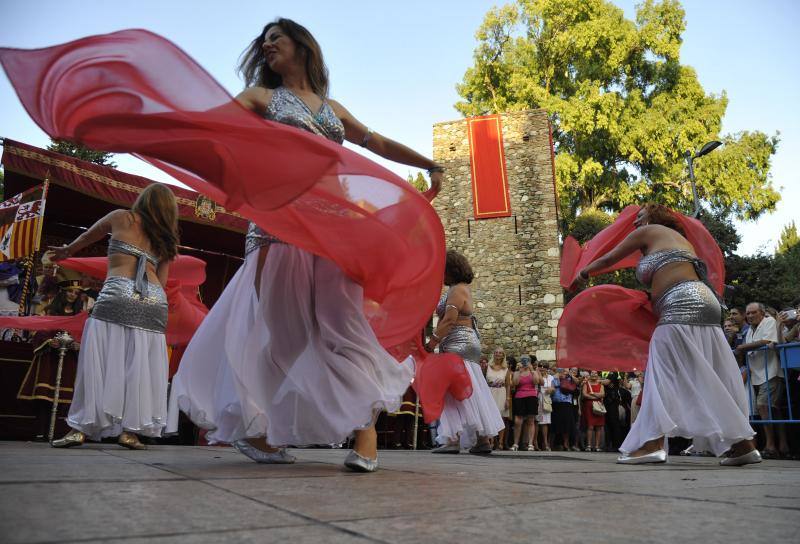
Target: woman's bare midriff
[{"x": 669, "y": 275}]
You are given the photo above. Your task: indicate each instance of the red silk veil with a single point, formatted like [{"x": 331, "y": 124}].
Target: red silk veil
[
  {"x": 608, "y": 327},
  {"x": 186, "y": 312},
  {"x": 135, "y": 92}
]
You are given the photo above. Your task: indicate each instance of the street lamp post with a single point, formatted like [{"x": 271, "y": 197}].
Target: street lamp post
[{"x": 690, "y": 157}]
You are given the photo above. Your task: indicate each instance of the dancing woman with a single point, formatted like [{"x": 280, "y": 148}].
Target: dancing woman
[
  {"x": 692, "y": 384},
  {"x": 286, "y": 356},
  {"x": 473, "y": 421},
  {"x": 121, "y": 383}
]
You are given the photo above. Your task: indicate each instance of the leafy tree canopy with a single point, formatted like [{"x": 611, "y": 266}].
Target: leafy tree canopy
[
  {"x": 624, "y": 109},
  {"x": 419, "y": 182},
  {"x": 83, "y": 153},
  {"x": 788, "y": 240}
]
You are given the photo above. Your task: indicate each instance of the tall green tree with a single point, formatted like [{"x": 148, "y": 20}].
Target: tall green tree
[
  {"x": 624, "y": 110},
  {"x": 83, "y": 153},
  {"x": 419, "y": 182},
  {"x": 788, "y": 239}
]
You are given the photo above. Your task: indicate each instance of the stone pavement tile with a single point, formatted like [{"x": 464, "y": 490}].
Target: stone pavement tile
[
  {"x": 600, "y": 519},
  {"x": 302, "y": 534},
  {"x": 39, "y": 512},
  {"x": 244, "y": 468},
  {"x": 754, "y": 485},
  {"x": 215, "y": 463},
  {"x": 354, "y": 496},
  {"x": 90, "y": 468},
  {"x": 773, "y": 495}
]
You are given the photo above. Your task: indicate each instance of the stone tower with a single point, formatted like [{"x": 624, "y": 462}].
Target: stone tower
[{"x": 515, "y": 259}]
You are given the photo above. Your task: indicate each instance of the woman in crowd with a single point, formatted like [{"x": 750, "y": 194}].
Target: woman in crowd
[
  {"x": 634, "y": 386},
  {"x": 289, "y": 333},
  {"x": 692, "y": 387},
  {"x": 121, "y": 383},
  {"x": 564, "y": 391},
  {"x": 498, "y": 375},
  {"x": 475, "y": 420},
  {"x": 484, "y": 364},
  {"x": 593, "y": 411},
  {"x": 731, "y": 330},
  {"x": 526, "y": 401},
  {"x": 544, "y": 415},
  {"x": 613, "y": 401}
]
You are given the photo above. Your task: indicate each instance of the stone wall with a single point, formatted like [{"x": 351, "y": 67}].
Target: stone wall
[{"x": 516, "y": 259}]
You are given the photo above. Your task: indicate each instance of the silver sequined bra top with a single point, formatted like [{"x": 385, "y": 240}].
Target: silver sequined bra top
[
  {"x": 143, "y": 257},
  {"x": 691, "y": 302},
  {"x": 650, "y": 264},
  {"x": 287, "y": 108}
]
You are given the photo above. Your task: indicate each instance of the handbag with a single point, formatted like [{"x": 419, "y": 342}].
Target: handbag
[
  {"x": 547, "y": 404},
  {"x": 598, "y": 408},
  {"x": 567, "y": 386}
]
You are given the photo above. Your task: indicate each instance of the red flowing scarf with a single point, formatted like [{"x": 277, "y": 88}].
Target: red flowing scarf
[
  {"x": 608, "y": 327},
  {"x": 135, "y": 92}
]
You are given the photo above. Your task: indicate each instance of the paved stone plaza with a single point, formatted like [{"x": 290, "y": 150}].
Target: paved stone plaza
[{"x": 173, "y": 494}]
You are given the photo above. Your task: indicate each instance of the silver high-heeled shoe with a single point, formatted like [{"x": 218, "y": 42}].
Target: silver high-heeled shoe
[
  {"x": 279, "y": 457},
  {"x": 359, "y": 463},
  {"x": 659, "y": 456}
]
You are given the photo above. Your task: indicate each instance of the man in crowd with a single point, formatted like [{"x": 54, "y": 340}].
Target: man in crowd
[
  {"x": 737, "y": 315},
  {"x": 766, "y": 375}
]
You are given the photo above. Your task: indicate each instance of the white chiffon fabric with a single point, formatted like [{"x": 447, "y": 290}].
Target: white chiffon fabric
[
  {"x": 121, "y": 381},
  {"x": 464, "y": 421},
  {"x": 693, "y": 389},
  {"x": 298, "y": 364}
]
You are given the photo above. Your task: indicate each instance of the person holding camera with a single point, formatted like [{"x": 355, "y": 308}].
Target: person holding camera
[{"x": 526, "y": 403}]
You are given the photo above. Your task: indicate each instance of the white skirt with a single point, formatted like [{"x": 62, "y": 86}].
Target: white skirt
[
  {"x": 298, "y": 365},
  {"x": 693, "y": 389},
  {"x": 121, "y": 382},
  {"x": 543, "y": 417},
  {"x": 470, "y": 418}
]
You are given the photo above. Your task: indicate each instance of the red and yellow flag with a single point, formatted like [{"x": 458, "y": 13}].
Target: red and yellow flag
[{"x": 21, "y": 219}]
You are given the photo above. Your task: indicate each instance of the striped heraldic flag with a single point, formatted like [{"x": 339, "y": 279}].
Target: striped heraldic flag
[{"x": 21, "y": 219}]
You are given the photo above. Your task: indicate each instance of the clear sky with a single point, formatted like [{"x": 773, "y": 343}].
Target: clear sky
[{"x": 395, "y": 64}]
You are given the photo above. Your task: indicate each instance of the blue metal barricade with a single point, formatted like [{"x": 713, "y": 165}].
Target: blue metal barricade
[{"x": 789, "y": 358}]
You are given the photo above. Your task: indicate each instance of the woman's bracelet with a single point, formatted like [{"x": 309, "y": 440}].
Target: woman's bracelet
[
  {"x": 367, "y": 136},
  {"x": 434, "y": 169}
]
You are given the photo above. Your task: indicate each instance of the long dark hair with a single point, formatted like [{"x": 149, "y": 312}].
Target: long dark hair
[
  {"x": 253, "y": 62},
  {"x": 60, "y": 303},
  {"x": 158, "y": 209}
]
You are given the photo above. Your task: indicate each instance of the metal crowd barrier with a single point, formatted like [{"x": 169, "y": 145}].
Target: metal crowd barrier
[{"x": 789, "y": 357}]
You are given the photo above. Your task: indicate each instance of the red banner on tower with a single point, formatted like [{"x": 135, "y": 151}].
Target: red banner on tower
[{"x": 488, "y": 159}]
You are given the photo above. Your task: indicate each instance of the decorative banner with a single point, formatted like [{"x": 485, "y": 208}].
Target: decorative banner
[
  {"x": 21, "y": 223},
  {"x": 489, "y": 181}
]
